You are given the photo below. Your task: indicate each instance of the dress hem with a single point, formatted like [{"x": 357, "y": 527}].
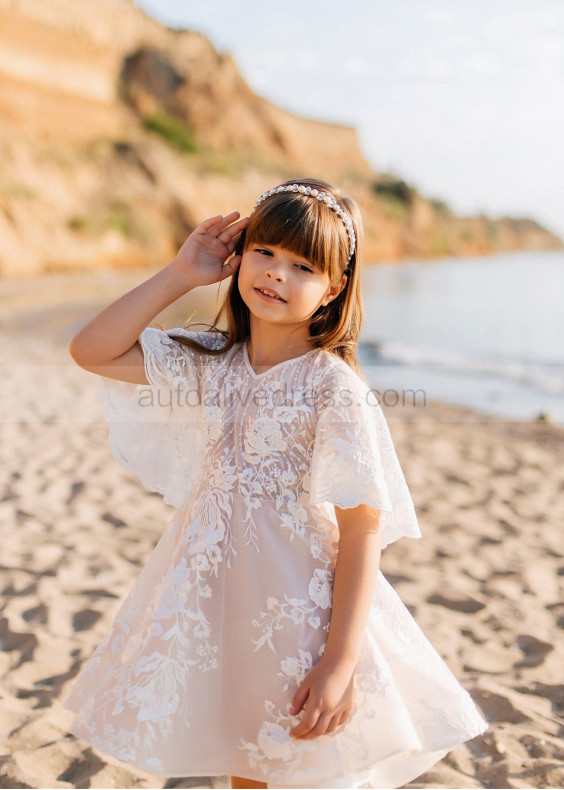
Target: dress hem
[{"x": 435, "y": 754}]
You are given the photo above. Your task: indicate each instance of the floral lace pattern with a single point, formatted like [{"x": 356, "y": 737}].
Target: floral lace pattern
[{"x": 197, "y": 673}]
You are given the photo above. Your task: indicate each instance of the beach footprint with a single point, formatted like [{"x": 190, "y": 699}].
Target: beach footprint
[
  {"x": 457, "y": 602},
  {"x": 534, "y": 650}
]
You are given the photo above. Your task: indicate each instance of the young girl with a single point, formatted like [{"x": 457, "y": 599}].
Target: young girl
[{"x": 261, "y": 640}]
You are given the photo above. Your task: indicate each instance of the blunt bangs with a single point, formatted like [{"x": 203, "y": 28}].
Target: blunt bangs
[{"x": 303, "y": 226}]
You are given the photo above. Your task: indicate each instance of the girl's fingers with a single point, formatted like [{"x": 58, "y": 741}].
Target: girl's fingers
[
  {"x": 207, "y": 224},
  {"x": 230, "y": 267},
  {"x": 299, "y": 700},
  {"x": 344, "y": 718},
  {"x": 233, "y": 230},
  {"x": 216, "y": 225},
  {"x": 222, "y": 226},
  {"x": 231, "y": 218},
  {"x": 326, "y": 724},
  {"x": 234, "y": 241},
  {"x": 306, "y": 725},
  {"x": 335, "y": 723},
  {"x": 320, "y": 727},
  {"x": 225, "y": 223}
]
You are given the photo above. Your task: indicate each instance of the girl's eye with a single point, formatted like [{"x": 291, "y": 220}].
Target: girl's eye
[{"x": 302, "y": 266}]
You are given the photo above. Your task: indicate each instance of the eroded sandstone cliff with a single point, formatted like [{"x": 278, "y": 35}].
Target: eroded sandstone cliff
[{"x": 117, "y": 135}]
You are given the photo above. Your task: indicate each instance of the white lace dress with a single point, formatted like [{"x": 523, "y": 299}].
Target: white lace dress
[{"x": 196, "y": 675}]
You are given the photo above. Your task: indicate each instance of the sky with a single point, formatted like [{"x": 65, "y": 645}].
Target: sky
[{"x": 464, "y": 100}]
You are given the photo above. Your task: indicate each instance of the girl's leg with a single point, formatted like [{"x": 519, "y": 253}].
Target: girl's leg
[{"x": 242, "y": 784}]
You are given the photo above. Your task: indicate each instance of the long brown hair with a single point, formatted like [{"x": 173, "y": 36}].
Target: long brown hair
[{"x": 307, "y": 228}]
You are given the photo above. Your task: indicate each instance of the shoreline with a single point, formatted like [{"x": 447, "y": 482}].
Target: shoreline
[{"x": 53, "y": 306}]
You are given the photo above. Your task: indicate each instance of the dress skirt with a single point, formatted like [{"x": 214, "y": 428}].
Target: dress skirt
[{"x": 197, "y": 673}]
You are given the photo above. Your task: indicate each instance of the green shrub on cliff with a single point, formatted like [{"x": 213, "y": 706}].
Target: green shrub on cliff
[
  {"x": 394, "y": 189},
  {"x": 173, "y": 131}
]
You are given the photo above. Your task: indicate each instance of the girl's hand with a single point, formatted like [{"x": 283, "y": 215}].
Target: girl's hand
[
  {"x": 326, "y": 696},
  {"x": 203, "y": 254}
]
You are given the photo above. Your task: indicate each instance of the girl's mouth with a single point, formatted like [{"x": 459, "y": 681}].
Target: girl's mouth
[{"x": 269, "y": 297}]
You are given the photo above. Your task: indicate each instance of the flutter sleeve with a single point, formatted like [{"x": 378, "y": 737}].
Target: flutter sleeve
[
  {"x": 354, "y": 461},
  {"x": 156, "y": 431}
]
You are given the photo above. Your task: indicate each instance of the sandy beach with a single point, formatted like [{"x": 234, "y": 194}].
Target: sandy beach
[{"x": 486, "y": 583}]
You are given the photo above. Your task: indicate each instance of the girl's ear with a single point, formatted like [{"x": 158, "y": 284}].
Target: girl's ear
[{"x": 334, "y": 290}]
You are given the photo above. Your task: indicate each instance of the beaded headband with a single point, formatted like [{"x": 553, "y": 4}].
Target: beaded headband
[{"x": 322, "y": 197}]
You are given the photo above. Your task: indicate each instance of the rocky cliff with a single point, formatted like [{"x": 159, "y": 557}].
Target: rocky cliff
[{"x": 118, "y": 134}]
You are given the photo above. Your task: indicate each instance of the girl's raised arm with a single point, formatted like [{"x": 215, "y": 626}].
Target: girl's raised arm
[{"x": 108, "y": 345}]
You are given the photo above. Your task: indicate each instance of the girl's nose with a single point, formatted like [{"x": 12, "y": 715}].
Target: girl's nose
[{"x": 274, "y": 271}]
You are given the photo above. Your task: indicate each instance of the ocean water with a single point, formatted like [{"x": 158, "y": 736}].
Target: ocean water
[{"x": 487, "y": 333}]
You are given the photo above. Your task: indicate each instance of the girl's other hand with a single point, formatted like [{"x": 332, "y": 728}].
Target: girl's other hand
[
  {"x": 326, "y": 697},
  {"x": 204, "y": 254}
]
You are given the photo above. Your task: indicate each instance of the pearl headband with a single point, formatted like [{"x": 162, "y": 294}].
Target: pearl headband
[{"x": 322, "y": 197}]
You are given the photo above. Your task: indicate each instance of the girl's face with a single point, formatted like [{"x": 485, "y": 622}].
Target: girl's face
[{"x": 280, "y": 287}]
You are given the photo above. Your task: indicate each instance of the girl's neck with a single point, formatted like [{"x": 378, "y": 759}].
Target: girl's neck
[{"x": 269, "y": 344}]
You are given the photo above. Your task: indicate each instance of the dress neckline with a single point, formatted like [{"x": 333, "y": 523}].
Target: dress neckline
[{"x": 256, "y": 375}]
